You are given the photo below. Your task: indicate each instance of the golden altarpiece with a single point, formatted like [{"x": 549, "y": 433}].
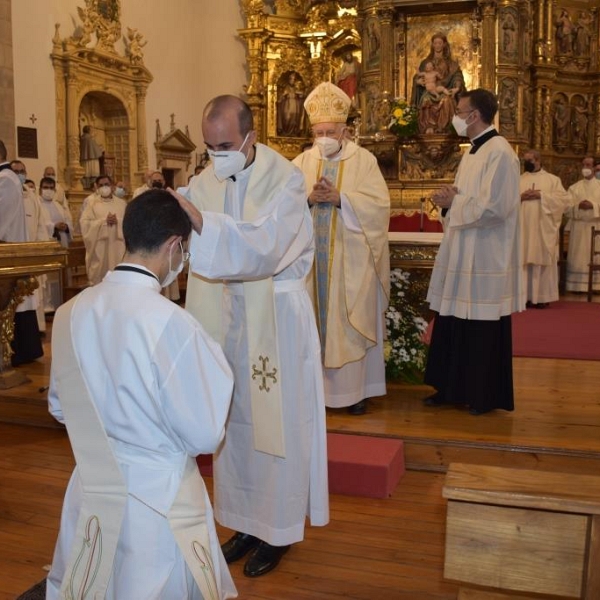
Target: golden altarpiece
[{"x": 540, "y": 57}]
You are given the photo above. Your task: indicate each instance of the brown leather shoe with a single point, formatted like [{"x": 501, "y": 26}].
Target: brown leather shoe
[
  {"x": 264, "y": 559},
  {"x": 238, "y": 546}
]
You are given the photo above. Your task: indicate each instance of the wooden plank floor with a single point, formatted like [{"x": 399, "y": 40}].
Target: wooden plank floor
[{"x": 372, "y": 549}]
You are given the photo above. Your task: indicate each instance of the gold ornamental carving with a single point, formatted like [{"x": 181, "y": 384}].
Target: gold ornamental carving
[
  {"x": 101, "y": 84},
  {"x": 541, "y": 57}
]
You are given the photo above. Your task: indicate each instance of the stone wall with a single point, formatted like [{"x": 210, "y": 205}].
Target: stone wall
[{"x": 7, "y": 93}]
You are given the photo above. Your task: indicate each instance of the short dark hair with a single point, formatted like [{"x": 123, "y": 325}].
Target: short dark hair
[
  {"x": 103, "y": 176},
  {"x": 152, "y": 218},
  {"x": 47, "y": 181},
  {"x": 483, "y": 101},
  {"x": 220, "y": 104}
]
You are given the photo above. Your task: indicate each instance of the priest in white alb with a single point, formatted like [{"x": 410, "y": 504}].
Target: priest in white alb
[
  {"x": 583, "y": 214},
  {"x": 142, "y": 390},
  {"x": 350, "y": 281},
  {"x": 543, "y": 202},
  {"x": 102, "y": 231},
  {"x": 247, "y": 287}
]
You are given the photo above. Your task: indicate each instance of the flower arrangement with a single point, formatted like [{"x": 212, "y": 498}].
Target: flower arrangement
[
  {"x": 403, "y": 118},
  {"x": 404, "y": 350}
]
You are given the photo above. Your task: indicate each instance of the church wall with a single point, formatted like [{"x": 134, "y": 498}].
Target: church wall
[
  {"x": 192, "y": 52},
  {"x": 7, "y": 104}
]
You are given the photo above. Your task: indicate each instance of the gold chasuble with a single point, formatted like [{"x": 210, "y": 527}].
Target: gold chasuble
[
  {"x": 206, "y": 302},
  {"x": 350, "y": 264}
]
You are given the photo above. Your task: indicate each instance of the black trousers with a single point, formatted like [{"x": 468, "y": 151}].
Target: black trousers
[
  {"x": 470, "y": 362},
  {"x": 26, "y": 344}
]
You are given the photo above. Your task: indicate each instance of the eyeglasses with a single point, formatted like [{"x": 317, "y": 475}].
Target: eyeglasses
[{"x": 462, "y": 112}]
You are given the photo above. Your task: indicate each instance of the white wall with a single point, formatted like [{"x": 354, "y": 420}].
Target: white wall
[{"x": 193, "y": 53}]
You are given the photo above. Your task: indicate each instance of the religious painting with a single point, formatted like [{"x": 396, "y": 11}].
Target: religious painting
[
  {"x": 457, "y": 52},
  {"x": 373, "y": 45},
  {"x": 290, "y": 105},
  {"x": 437, "y": 66}
]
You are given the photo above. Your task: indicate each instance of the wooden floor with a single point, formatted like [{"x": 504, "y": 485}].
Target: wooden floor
[{"x": 372, "y": 549}]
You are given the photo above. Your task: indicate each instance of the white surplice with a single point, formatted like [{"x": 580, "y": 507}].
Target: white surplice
[
  {"x": 162, "y": 388},
  {"x": 104, "y": 244},
  {"x": 540, "y": 221},
  {"x": 478, "y": 268},
  {"x": 581, "y": 222},
  {"x": 257, "y": 493}
]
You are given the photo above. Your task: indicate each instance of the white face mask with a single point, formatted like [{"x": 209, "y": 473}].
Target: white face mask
[
  {"x": 586, "y": 172},
  {"x": 460, "y": 125},
  {"x": 105, "y": 191},
  {"x": 597, "y": 174},
  {"x": 328, "y": 146},
  {"x": 171, "y": 276},
  {"x": 228, "y": 162},
  {"x": 120, "y": 192},
  {"x": 47, "y": 194}
]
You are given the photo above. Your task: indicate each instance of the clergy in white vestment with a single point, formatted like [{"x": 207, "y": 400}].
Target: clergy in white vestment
[
  {"x": 60, "y": 195},
  {"x": 142, "y": 390},
  {"x": 476, "y": 281},
  {"x": 145, "y": 186},
  {"x": 102, "y": 231},
  {"x": 37, "y": 231},
  {"x": 583, "y": 214},
  {"x": 350, "y": 281},
  {"x": 247, "y": 287},
  {"x": 543, "y": 202}
]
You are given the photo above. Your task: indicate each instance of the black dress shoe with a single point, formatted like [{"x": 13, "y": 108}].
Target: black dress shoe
[
  {"x": 264, "y": 559},
  {"x": 360, "y": 408},
  {"x": 479, "y": 411},
  {"x": 435, "y": 400},
  {"x": 238, "y": 546}
]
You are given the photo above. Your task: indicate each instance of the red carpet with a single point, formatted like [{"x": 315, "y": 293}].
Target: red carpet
[{"x": 563, "y": 330}]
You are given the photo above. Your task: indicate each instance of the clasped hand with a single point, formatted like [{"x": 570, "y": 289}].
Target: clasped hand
[
  {"x": 445, "y": 195},
  {"x": 324, "y": 192}
]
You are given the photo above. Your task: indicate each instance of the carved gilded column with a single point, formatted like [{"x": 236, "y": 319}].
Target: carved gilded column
[
  {"x": 488, "y": 50},
  {"x": 549, "y": 33},
  {"x": 540, "y": 36},
  {"x": 75, "y": 171},
  {"x": 387, "y": 49},
  {"x": 142, "y": 142},
  {"x": 546, "y": 119}
]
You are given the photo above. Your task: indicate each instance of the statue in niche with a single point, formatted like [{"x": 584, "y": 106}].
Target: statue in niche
[
  {"x": 290, "y": 109},
  {"x": 580, "y": 122},
  {"x": 90, "y": 153},
  {"x": 373, "y": 43},
  {"x": 135, "y": 45},
  {"x": 509, "y": 34},
  {"x": 348, "y": 76},
  {"x": 564, "y": 33},
  {"x": 437, "y": 109},
  {"x": 508, "y": 104},
  {"x": 562, "y": 118},
  {"x": 583, "y": 34}
]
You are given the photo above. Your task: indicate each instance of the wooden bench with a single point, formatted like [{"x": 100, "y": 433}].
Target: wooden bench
[{"x": 516, "y": 530}]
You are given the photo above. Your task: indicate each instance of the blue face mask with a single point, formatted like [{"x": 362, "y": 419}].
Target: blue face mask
[
  {"x": 22, "y": 177},
  {"x": 597, "y": 174}
]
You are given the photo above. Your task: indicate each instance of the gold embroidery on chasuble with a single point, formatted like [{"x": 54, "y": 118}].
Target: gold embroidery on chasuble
[{"x": 325, "y": 225}]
